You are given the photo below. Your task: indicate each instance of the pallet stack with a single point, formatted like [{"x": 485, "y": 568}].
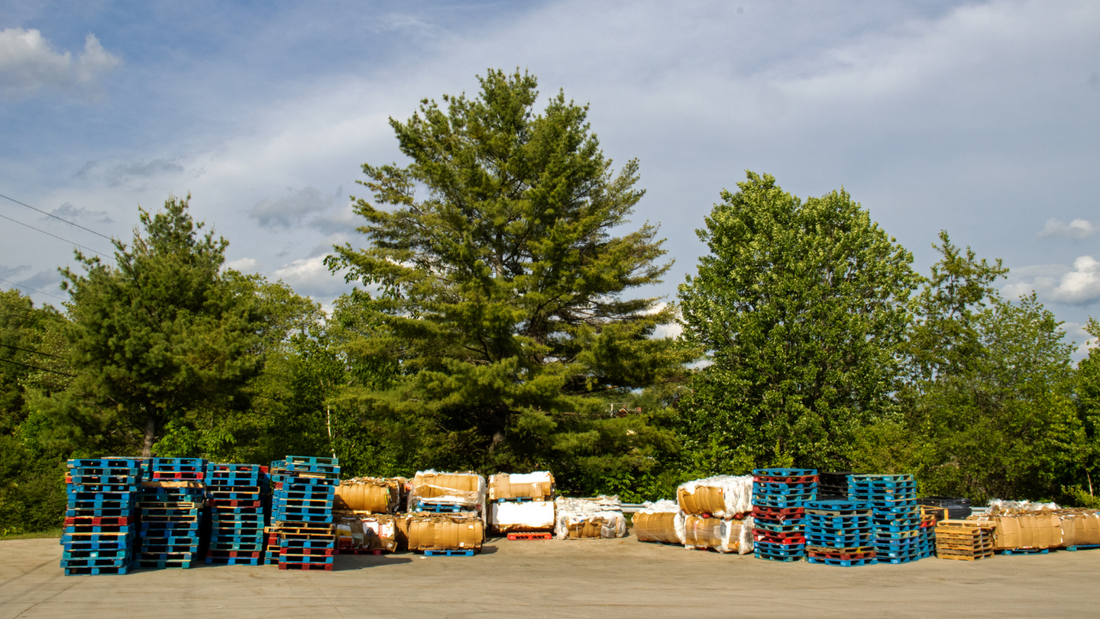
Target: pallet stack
[
  {"x": 840, "y": 533},
  {"x": 897, "y": 517},
  {"x": 171, "y": 505},
  {"x": 302, "y": 528},
  {"x": 237, "y": 516},
  {"x": 99, "y": 516},
  {"x": 778, "y": 498},
  {"x": 964, "y": 540}
]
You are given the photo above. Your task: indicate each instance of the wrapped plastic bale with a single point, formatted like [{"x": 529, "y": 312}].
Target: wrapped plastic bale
[
  {"x": 589, "y": 518},
  {"x": 525, "y": 516},
  {"x": 656, "y": 522},
  {"x": 376, "y": 495},
  {"x": 443, "y": 532},
  {"x": 723, "y": 496},
  {"x": 725, "y": 535},
  {"x": 447, "y": 492},
  {"x": 537, "y": 486}
]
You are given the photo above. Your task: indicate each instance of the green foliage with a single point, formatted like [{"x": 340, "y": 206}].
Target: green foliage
[
  {"x": 1087, "y": 391},
  {"x": 163, "y": 333},
  {"x": 502, "y": 286},
  {"x": 802, "y": 308}
]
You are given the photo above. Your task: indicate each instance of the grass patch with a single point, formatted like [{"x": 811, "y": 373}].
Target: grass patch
[{"x": 54, "y": 533}]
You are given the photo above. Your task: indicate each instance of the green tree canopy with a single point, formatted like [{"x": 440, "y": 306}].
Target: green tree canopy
[
  {"x": 802, "y": 307},
  {"x": 502, "y": 281},
  {"x": 162, "y": 332}
]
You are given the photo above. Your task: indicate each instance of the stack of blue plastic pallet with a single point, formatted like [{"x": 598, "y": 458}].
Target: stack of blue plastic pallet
[
  {"x": 840, "y": 533},
  {"x": 301, "y": 512},
  {"x": 237, "y": 515},
  {"x": 99, "y": 517},
  {"x": 897, "y": 517},
  {"x": 171, "y": 507},
  {"x": 778, "y": 499}
]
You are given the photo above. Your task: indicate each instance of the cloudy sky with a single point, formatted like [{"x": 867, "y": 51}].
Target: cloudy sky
[{"x": 982, "y": 118}]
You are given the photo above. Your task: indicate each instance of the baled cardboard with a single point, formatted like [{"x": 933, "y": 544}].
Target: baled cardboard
[
  {"x": 538, "y": 486},
  {"x": 522, "y": 516},
  {"x": 375, "y": 496},
  {"x": 1027, "y": 531},
  {"x": 1080, "y": 528},
  {"x": 656, "y": 527},
  {"x": 438, "y": 532}
]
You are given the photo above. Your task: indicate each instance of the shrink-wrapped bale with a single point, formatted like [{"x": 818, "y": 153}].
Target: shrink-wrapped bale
[
  {"x": 723, "y": 496},
  {"x": 589, "y": 518},
  {"x": 538, "y": 486},
  {"x": 512, "y": 516},
  {"x": 467, "y": 490},
  {"x": 656, "y": 522},
  {"x": 721, "y": 534},
  {"x": 369, "y": 494},
  {"x": 1079, "y": 527},
  {"x": 445, "y": 532}
]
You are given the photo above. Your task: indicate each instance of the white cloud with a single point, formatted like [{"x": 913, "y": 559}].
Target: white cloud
[
  {"x": 1077, "y": 229},
  {"x": 1077, "y": 285},
  {"x": 291, "y": 209},
  {"x": 28, "y": 63},
  {"x": 244, "y": 265},
  {"x": 1081, "y": 286},
  {"x": 310, "y": 276}
]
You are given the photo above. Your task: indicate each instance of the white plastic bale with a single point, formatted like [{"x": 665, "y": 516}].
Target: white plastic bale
[
  {"x": 522, "y": 516},
  {"x": 604, "y": 510},
  {"x": 736, "y": 492}
]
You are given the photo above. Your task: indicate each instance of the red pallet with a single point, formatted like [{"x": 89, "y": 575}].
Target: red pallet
[
  {"x": 233, "y": 503},
  {"x": 530, "y": 535},
  {"x": 842, "y": 556},
  {"x": 306, "y": 567},
  {"x": 182, "y": 476},
  {"x": 315, "y": 552},
  {"x": 111, "y": 521},
  {"x": 234, "y": 554}
]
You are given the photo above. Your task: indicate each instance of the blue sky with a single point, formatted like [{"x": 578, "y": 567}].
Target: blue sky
[{"x": 981, "y": 118}]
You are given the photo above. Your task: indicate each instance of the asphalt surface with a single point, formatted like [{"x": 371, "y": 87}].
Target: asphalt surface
[{"x": 582, "y": 578}]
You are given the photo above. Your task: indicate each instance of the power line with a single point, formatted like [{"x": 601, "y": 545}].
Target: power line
[
  {"x": 36, "y": 352},
  {"x": 31, "y": 289},
  {"x": 55, "y": 217},
  {"x": 54, "y": 236},
  {"x": 35, "y": 367}
]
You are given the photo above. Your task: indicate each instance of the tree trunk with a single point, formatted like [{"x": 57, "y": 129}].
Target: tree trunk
[{"x": 150, "y": 436}]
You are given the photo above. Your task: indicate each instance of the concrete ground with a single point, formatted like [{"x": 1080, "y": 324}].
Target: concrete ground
[{"x": 583, "y": 578}]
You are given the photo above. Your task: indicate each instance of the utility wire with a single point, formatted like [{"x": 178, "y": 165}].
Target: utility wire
[
  {"x": 31, "y": 289},
  {"x": 36, "y": 352},
  {"x": 35, "y": 367},
  {"x": 54, "y": 236},
  {"x": 56, "y": 217}
]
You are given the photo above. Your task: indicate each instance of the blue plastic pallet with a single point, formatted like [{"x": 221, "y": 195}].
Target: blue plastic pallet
[
  {"x": 118, "y": 553},
  {"x": 109, "y": 562},
  {"x": 69, "y": 546},
  {"x": 780, "y": 488},
  {"x": 233, "y": 560},
  {"x": 448, "y": 553},
  {"x": 100, "y": 463},
  {"x": 1025, "y": 551},
  {"x": 308, "y": 460},
  {"x": 784, "y": 559},
  {"x": 780, "y": 472},
  {"x": 1077, "y": 547},
  {"x": 840, "y": 562},
  {"x": 897, "y": 561},
  {"x": 161, "y": 565},
  {"x": 97, "y": 571}
]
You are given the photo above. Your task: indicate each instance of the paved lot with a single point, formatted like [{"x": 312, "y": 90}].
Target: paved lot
[{"x": 607, "y": 578}]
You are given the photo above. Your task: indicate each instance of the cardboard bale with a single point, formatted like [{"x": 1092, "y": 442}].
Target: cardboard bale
[
  {"x": 538, "y": 486},
  {"x": 589, "y": 518},
  {"x": 445, "y": 532},
  {"x": 521, "y": 516},
  {"x": 722, "y": 496},
  {"x": 401, "y": 531},
  {"x": 1080, "y": 527},
  {"x": 656, "y": 522},
  {"x": 722, "y": 534},
  {"x": 349, "y": 530},
  {"x": 369, "y": 494},
  {"x": 463, "y": 489},
  {"x": 1042, "y": 530}
]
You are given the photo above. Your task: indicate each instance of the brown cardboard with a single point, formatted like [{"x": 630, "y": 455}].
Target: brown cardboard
[
  {"x": 1080, "y": 528},
  {"x": 703, "y": 532},
  {"x": 438, "y": 532},
  {"x": 705, "y": 500},
  {"x": 430, "y": 485},
  {"x": 377, "y": 498},
  {"x": 501, "y": 487},
  {"x": 1027, "y": 531},
  {"x": 659, "y": 527}
]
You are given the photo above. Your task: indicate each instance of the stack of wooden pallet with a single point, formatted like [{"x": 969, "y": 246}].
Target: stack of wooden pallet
[{"x": 964, "y": 540}]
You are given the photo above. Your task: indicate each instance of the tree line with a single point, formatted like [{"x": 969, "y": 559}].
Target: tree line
[{"x": 495, "y": 325}]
